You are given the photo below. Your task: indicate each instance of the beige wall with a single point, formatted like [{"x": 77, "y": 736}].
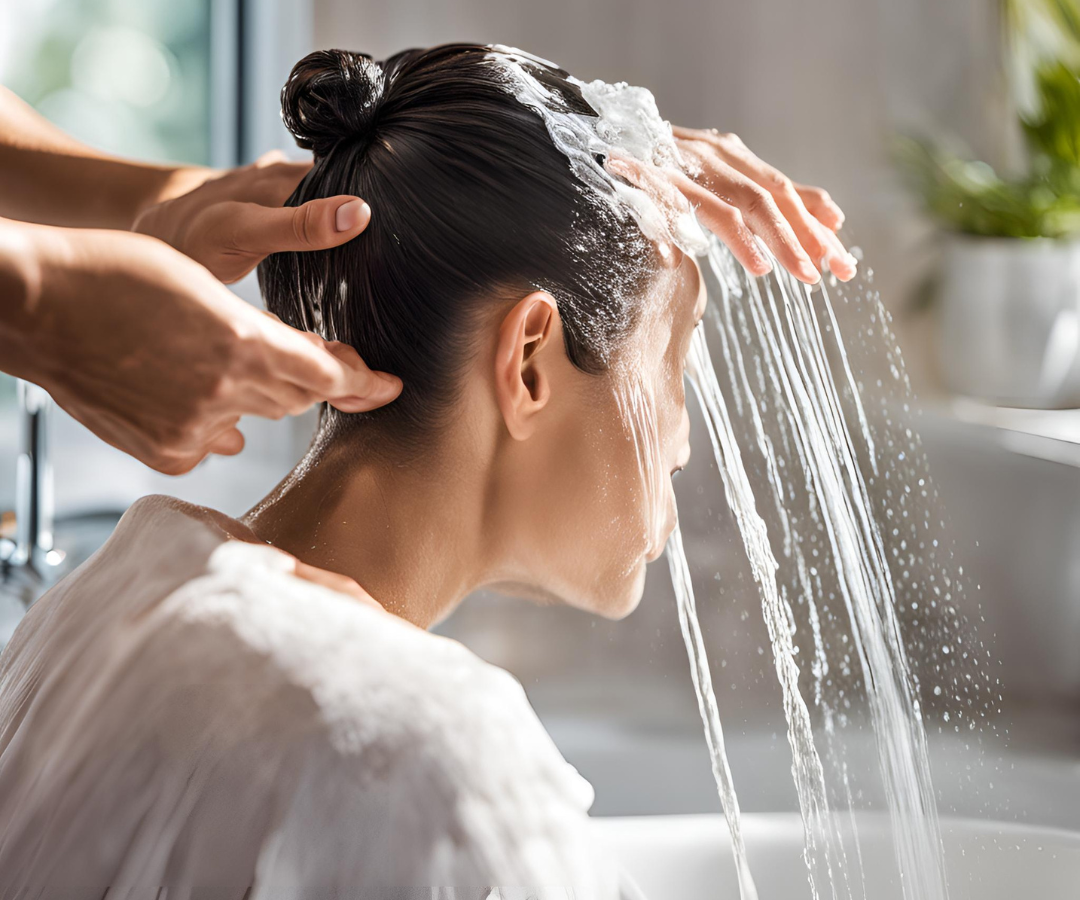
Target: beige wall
[{"x": 814, "y": 86}]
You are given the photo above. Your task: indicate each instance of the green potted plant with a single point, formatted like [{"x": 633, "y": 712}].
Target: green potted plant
[{"x": 1009, "y": 286}]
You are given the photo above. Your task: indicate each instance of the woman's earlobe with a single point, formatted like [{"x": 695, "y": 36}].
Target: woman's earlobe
[{"x": 522, "y": 383}]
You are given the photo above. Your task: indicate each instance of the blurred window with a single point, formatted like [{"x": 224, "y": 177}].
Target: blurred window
[{"x": 127, "y": 76}]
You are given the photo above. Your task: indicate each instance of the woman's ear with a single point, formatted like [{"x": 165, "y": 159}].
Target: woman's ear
[{"x": 522, "y": 376}]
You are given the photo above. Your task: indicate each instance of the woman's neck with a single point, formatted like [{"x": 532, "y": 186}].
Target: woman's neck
[{"x": 413, "y": 538}]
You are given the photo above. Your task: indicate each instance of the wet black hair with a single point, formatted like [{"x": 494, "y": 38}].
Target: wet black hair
[{"x": 472, "y": 205}]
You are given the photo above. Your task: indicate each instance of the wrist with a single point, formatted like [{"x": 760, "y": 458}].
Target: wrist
[
  {"x": 54, "y": 269},
  {"x": 174, "y": 183},
  {"x": 21, "y": 293}
]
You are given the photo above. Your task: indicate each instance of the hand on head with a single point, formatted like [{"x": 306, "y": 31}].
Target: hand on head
[
  {"x": 154, "y": 355},
  {"x": 145, "y": 347},
  {"x": 742, "y": 200},
  {"x": 232, "y": 220},
  {"x": 149, "y": 350}
]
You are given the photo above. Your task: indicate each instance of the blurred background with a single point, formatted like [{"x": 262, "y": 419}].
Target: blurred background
[{"x": 947, "y": 130}]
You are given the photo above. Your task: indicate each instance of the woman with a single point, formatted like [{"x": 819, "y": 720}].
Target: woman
[{"x": 189, "y": 710}]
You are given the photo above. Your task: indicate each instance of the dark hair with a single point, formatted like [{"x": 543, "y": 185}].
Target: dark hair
[{"x": 472, "y": 203}]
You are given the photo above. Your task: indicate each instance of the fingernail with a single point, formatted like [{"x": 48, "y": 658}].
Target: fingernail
[
  {"x": 358, "y": 404},
  {"x": 383, "y": 391},
  {"x": 844, "y": 267},
  {"x": 847, "y": 261},
  {"x": 351, "y": 215},
  {"x": 351, "y": 404},
  {"x": 808, "y": 271},
  {"x": 390, "y": 385}
]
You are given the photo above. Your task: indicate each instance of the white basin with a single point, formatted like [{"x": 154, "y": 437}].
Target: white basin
[{"x": 680, "y": 857}]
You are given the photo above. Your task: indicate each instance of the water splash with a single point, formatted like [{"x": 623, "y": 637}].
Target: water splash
[
  {"x": 794, "y": 379},
  {"x": 627, "y": 126},
  {"x": 821, "y": 839}
]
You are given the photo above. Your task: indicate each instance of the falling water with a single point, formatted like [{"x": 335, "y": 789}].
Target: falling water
[
  {"x": 710, "y": 712},
  {"x": 806, "y": 766},
  {"x": 792, "y": 377}
]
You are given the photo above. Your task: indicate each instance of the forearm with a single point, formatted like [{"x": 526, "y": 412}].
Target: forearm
[
  {"x": 50, "y": 178},
  {"x": 23, "y": 304}
]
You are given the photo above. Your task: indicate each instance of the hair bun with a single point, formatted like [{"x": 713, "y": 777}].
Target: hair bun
[{"x": 331, "y": 95}]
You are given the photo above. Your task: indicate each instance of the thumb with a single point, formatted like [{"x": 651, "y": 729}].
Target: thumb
[
  {"x": 367, "y": 389},
  {"x": 316, "y": 225}
]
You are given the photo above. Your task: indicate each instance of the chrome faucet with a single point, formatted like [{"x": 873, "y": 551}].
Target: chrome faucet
[{"x": 29, "y": 562}]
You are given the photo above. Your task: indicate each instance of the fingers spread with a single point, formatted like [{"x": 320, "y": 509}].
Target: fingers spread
[
  {"x": 726, "y": 222},
  {"x": 655, "y": 182},
  {"x": 803, "y": 210},
  {"x": 765, "y": 220},
  {"x": 743, "y": 160},
  {"x": 759, "y": 212}
]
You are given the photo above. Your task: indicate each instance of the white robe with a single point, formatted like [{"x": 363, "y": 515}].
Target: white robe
[{"x": 183, "y": 712}]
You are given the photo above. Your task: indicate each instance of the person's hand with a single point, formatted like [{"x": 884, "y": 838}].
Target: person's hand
[
  {"x": 229, "y": 221},
  {"x": 740, "y": 199},
  {"x": 738, "y": 196},
  {"x": 154, "y": 355}
]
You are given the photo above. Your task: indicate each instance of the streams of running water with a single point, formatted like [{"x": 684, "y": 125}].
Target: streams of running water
[
  {"x": 793, "y": 377},
  {"x": 710, "y": 712}
]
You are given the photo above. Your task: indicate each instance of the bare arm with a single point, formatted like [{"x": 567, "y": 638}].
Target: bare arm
[
  {"x": 50, "y": 178},
  {"x": 137, "y": 341},
  {"x": 151, "y": 352}
]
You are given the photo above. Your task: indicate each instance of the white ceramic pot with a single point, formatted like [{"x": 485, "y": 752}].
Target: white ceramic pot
[{"x": 1010, "y": 320}]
